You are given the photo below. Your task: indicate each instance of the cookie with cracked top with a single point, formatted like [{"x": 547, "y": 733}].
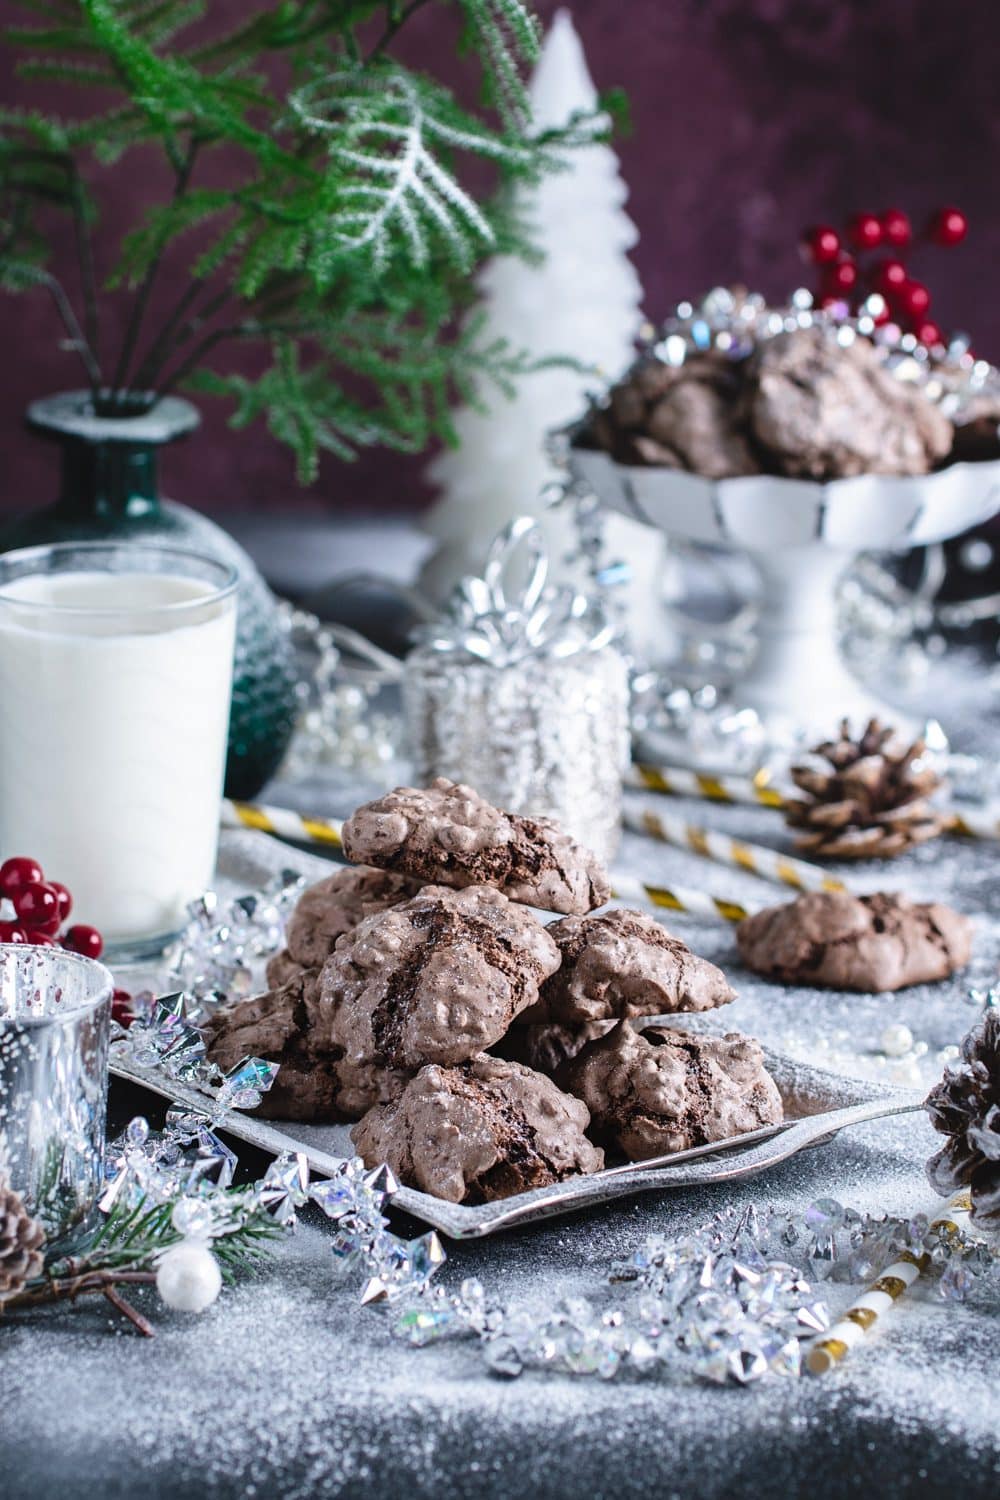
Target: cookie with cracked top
[
  {"x": 823, "y": 410},
  {"x": 446, "y": 834},
  {"x": 290, "y": 1025},
  {"x": 870, "y": 943},
  {"x": 437, "y": 979},
  {"x": 658, "y": 1090},
  {"x": 477, "y": 1132},
  {"x": 328, "y": 909},
  {"x": 624, "y": 963}
]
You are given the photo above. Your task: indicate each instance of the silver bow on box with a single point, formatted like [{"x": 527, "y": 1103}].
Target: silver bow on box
[{"x": 519, "y": 692}]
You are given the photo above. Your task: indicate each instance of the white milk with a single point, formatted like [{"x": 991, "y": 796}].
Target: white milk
[{"x": 112, "y": 740}]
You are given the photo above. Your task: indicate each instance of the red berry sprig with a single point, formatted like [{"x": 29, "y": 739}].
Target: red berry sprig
[
  {"x": 845, "y": 279},
  {"x": 41, "y": 907}
]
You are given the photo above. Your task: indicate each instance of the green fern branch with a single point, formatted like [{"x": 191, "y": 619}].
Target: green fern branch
[{"x": 346, "y": 238}]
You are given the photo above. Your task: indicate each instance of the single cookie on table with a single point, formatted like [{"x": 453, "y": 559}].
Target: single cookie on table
[
  {"x": 446, "y": 834},
  {"x": 547, "y": 1046},
  {"x": 437, "y": 979},
  {"x": 823, "y": 410},
  {"x": 623, "y": 963},
  {"x": 869, "y": 943},
  {"x": 655, "y": 1091},
  {"x": 290, "y": 1025},
  {"x": 328, "y": 909},
  {"x": 483, "y": 1130}
]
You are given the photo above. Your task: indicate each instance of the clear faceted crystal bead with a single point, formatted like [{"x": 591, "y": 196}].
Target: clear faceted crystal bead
[
  {"x": 193, "y": 1218},
  {"x": 503, "y": 1357}
]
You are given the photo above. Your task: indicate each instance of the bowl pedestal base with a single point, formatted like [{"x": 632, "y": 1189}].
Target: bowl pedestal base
[{"x": 798, "y": 679}]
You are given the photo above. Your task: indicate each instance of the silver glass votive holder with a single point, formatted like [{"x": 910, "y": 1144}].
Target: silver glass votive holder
[
  {"x": 544, "y": 736},
  {"x": 55, "y": 1024}
]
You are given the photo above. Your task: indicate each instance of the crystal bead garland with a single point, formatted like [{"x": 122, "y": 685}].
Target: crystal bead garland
[
  {"x": 520, "y": 692},
  {"x": 338, "y": 727}
]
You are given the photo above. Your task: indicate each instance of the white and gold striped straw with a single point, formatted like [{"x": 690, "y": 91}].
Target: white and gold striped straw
[
  {"x": 759, "y": 790},
  {"x": 677, "y": 781},
  {"x": 283, "y": 823},
  {"x": 974, "y": 822},
  {"x": 873, "y": 1304},
  {"x": 769, "y": 864},
  {"x": 679, "y": 898}
]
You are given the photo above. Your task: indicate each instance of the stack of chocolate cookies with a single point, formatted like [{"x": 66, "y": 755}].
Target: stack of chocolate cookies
[
  {"x": 481, "y": 1052},
  {"x": 805, "y": 403}
]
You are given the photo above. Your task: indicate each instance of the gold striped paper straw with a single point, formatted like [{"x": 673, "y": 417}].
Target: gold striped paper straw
[
  {"x": 873, "y": 1304},
  {"x": 974, "y": 823},
  {"x": 679, "y": 898},
  {"x": 677, "y": 781},
  {"x": 769, "y": 864},
  {"x": 283, "y": 823}
]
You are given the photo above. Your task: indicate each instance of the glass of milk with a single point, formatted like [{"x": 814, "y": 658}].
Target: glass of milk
[{"x": 116, "y": 665}]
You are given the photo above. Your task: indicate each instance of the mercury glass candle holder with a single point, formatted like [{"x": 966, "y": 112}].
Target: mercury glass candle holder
[{"x": 55, "y": 1021}]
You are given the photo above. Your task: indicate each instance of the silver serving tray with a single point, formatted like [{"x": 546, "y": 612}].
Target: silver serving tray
[{"x": 817, "y": 1106}]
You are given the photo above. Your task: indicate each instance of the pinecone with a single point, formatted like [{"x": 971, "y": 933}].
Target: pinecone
[
  {"x": 965, "y": 1106},
  {"x": 869, "y": 800},
  {"x": 21, "y": 1239}
]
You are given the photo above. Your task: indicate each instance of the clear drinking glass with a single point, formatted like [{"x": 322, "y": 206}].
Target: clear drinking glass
[
  {"x": 116, "y": 664},
  {"x": 55, "y": 1014}
]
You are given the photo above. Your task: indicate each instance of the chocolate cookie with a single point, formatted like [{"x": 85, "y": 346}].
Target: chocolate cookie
[
  {"x": 547, "y": 1046},
  {"x": 282, "y": 969},
  {"x": 437, "y": 979},
  {"x": 480, "y": 1131},
  {"x": 447, "y": 834},
  {"x": 328, "y": 909},
  {"x": 844, "y": 942},
  {"x": 697, "y": 418},
  {"x": 624, "y": 963},
  {"x": 823, "y": 410},
  {"x": 291, "y": 1026},
  {"x": 655, "y": 1091},
  {"x": 337, "y": 904}
]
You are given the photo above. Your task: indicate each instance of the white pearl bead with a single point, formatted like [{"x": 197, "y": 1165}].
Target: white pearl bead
[
  {"x": 896, "y": 1040},
  {"x": 188, "y": 1277}
]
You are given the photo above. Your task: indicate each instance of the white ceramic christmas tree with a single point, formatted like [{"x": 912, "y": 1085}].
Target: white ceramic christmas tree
[{"x": 582, "y": 301}]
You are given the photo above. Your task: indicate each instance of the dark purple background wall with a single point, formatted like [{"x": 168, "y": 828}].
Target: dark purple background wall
[{"x": 751, "y": 118}]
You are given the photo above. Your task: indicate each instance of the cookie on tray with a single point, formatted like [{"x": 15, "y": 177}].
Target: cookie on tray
[
  {"x": 546, "y": 1046},
  {"x": 477, "y": 1132},
  {"x": 437, "y": 979},
  {"x": 328, "y": 909},
  {"x": 289, "y": 1025},
  {"x": 446, "y": 834},
  {"x": 624, "y": 963},
  {"x": 658, "y": 1090}
]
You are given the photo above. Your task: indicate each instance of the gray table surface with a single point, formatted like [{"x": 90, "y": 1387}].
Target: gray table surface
[{"x": 287, "y": 1388}]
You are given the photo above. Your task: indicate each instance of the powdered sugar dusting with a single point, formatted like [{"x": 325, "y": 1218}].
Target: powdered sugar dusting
[{"x": 286, "y": 1388}]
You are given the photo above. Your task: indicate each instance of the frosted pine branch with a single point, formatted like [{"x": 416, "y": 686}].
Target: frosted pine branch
[{"x": 388, "y": 130}]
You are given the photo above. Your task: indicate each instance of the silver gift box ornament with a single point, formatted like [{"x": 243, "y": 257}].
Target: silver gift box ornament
[{"x": 520, "y": 692}]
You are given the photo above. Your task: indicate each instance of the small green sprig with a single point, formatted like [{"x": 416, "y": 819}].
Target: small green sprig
[{"x": 130, "y": 1241}]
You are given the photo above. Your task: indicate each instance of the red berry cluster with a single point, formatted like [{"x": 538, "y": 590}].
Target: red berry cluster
[
  {"x": 40, "y": 908},
  {"x": 844, "y": 278}
]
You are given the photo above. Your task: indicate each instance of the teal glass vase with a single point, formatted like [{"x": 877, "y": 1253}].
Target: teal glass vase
[{"x": 109, "y": 490}]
